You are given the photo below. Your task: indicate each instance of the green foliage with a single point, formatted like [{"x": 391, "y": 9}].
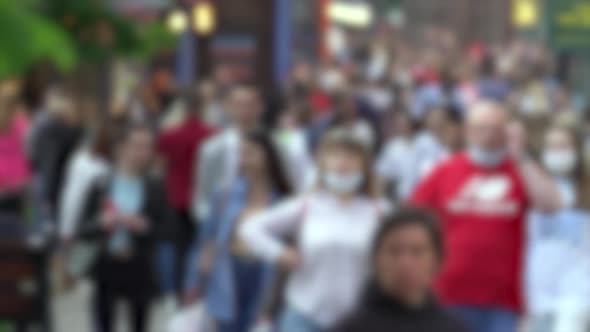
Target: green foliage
[
  {"x": 100, "y": 32},
  {"x": 27, "y": 38},
  {"x": 155, "y": 37},
  {"x": 68, "y": 31}
]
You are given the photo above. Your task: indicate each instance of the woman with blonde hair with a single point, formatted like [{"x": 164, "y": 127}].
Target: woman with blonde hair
[
  {"x": 332, "y": 226},
  {"x": 557, "y": 278}
]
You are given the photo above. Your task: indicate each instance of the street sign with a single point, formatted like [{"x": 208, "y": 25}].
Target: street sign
[{"x": 568, "y": 24}]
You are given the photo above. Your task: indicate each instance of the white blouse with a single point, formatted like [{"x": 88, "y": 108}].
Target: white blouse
[
  {"x": 83, "y": 170},
  {"x": 334, "y": 239},
  {"x": 557, "y": 275}
]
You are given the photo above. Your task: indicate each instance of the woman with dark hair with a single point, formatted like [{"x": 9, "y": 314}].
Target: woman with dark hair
[
  {"x": 407, "y": 253},
  {"x": 124, "y": 214},
  {"x": 230, "y": 280}
]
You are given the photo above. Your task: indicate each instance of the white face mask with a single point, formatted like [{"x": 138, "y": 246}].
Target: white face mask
[
  {"x": 343, "y": 183},
  {"x": 331, "y": 80},
  {"x": 560, "y": 162},
  {"x": 487, "y": 158}
]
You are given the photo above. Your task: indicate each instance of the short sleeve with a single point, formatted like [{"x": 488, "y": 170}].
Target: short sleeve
[{"x": 424, "y": 194}]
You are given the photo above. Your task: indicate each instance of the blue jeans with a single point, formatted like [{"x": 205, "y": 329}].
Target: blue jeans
[
  {"x": 292, "y": 321},
  {"x": 166, "y": 267},
  {"x": 482, "y": 319},
  {"x": 248, "y": 285}
]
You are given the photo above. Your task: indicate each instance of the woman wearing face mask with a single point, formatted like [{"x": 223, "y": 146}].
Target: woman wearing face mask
[
  {"x": 407, "y": 253},
  {"x": 332, "y": 226},
  {"x": 229, "y": 278},
  {"x": 558, "y": 261}
]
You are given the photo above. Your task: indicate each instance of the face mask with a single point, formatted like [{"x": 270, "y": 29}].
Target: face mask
[
  {"x": 559, "y": 162},
  {"x": 485, "y": 157},
  {"x": 331, "y": 80},
  {"x": 343, "y": 183}
]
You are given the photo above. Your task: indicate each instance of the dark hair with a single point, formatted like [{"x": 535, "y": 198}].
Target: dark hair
[
  {"x": 127, "y": 129},
  {"x": 487, "y": 67},
  {"x": 411, "y": 216},
  {"x": 103, "y": 140},
  {"x": 192, "y": 100},
  {"x": 276, "y": 170},
  {"x": 341, "y": 100}
]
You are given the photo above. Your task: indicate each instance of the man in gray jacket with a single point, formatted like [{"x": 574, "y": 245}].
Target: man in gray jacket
[{"x": 218, "y": 160}]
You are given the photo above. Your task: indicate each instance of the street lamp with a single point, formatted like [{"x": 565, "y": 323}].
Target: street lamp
[
  {"x": 204, "y": 18},
  {"x": 177, "y": 21},
  {"x": 525, "y": 13}
]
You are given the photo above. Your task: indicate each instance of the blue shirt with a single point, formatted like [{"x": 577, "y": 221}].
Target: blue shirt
[{"x": 127, "y": 194}]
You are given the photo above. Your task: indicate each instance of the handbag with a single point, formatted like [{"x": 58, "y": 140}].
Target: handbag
[{"x": 193, "y": 318}]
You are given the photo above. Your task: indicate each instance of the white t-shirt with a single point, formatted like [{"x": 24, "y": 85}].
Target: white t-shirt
[
  {"x": 406, "y": 161},
  {"x": 396, "y": 163},
  {"x": 298, "y": 160},
  {"x": 83, "y": 170},
  {"x": 429, "y": 151},
  {"x": 557, "y": 273},
  {"x": 334, "y": 239}
]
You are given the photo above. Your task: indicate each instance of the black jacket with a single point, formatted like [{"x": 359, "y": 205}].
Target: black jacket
[
  {"x": 135, "y": 275},
  {"x": 53, "y": 143},
  {"x": 381, "y": 313}
]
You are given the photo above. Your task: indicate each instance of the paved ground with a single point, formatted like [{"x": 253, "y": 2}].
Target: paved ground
[{"x": 71, "y": 312}]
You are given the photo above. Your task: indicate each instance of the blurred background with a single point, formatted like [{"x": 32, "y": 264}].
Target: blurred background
[{"x": 75, "y": 73}]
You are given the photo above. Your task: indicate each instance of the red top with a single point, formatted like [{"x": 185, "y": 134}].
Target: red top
[
  {"x": 320, "y": 102},
  {"x": 482, "y": 213},
  {"x": 179, "y": 146}
]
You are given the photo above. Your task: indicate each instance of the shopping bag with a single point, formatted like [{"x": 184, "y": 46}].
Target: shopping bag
[{"x": 194, "y": 318}]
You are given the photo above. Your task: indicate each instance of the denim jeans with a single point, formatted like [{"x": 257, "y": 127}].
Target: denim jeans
[
  {"x": 483, "y": 319},
  {"x": 292, "y": 321},
  {"x": 166, "y": 267},
  {"x": 561, "y": 321},
  {"x": 248, "y": 286}
]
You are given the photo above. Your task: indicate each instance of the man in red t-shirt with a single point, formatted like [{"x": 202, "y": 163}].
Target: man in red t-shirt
[
  {"x": 482, "y": 196},
  {"x": 177, "y": 148}
]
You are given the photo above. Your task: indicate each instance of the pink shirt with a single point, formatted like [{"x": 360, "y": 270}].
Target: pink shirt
[{"x": 14, "y": 165}]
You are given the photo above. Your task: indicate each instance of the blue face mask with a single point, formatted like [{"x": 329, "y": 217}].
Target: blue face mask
[{"x": 487, "y": 157}]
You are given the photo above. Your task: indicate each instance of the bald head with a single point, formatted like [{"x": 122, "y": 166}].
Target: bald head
[
  {"x": 485, "y": 111},
  {"x": 486, "y": 125}
]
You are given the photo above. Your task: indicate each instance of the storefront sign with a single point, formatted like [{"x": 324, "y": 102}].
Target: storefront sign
[{"x": 569, "y": 24}]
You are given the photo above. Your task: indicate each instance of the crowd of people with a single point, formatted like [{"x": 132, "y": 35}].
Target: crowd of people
[{"x": 398, "y": 187}]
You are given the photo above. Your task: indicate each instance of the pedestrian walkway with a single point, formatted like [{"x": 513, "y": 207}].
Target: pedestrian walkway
[{"x": 71, "y": 312}]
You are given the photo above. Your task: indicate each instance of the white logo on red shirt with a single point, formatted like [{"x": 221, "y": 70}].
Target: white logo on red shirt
[{"x": 485, "y": 194}]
